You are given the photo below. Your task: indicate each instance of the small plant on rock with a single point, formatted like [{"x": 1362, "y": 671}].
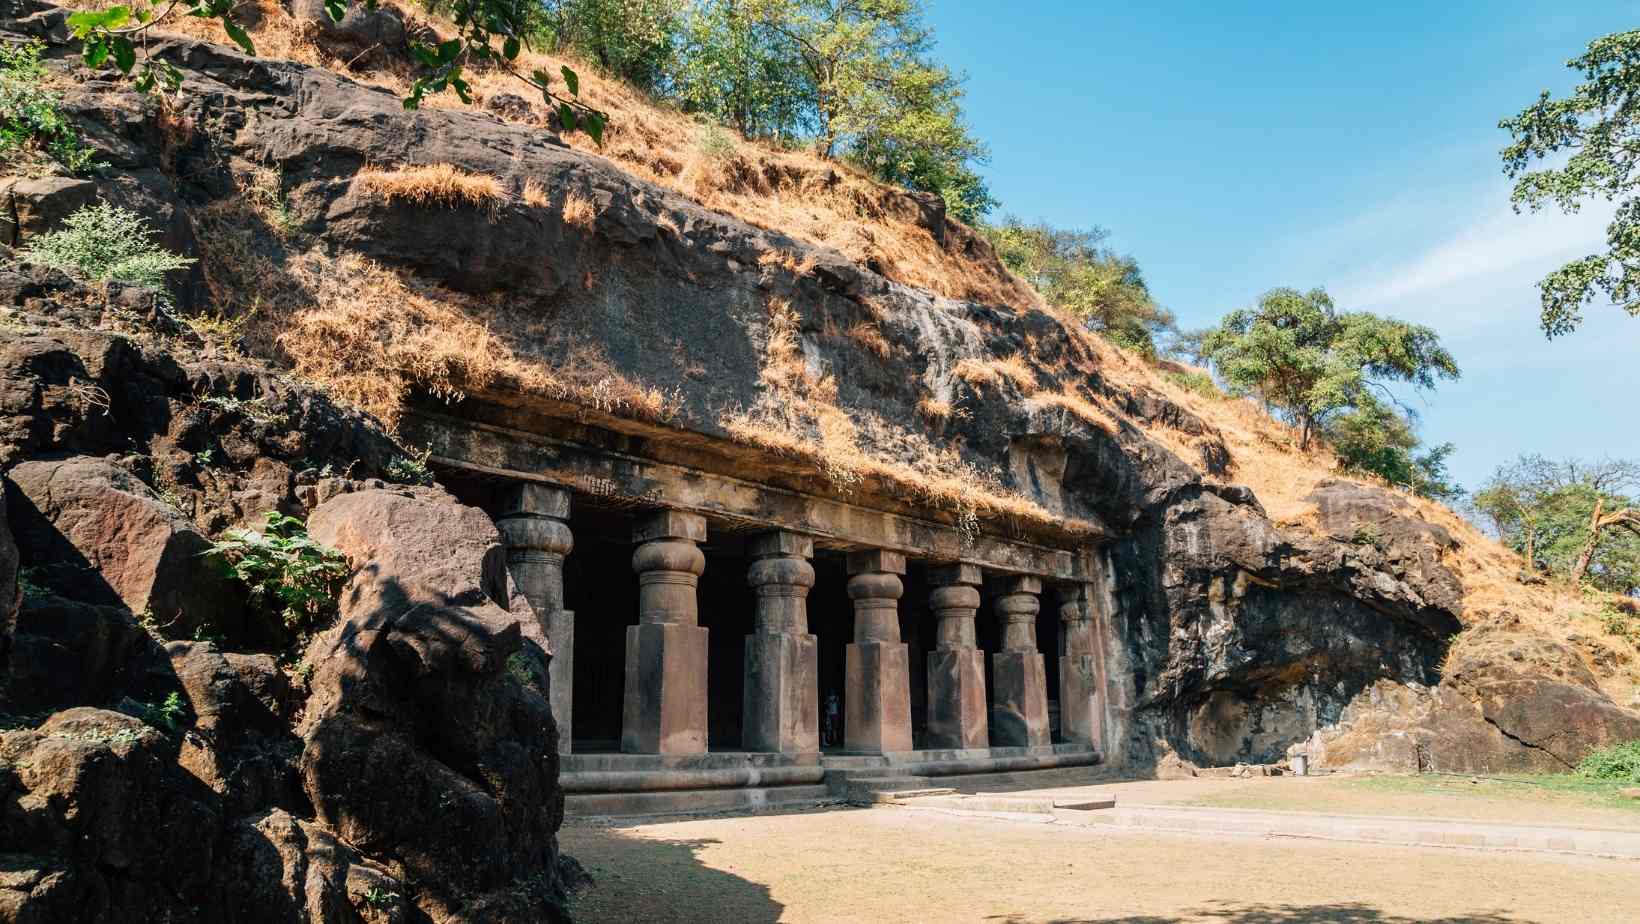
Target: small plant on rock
[
  {"x": 378, "y": 897},
  {"x": 411, "y": 469},
  {"x": 31, "y": 117},
  {"x": 168, "y": 715},
  {"x": 287, "y": 572},
  {"x": 105, "y": 242}
]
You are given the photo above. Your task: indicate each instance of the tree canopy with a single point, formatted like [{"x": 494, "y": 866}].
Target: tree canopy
[
  {"x": 1310, "y": 362},
  {"x": 1569, "y": 517},
  {"x": 1074, "y": 271},
  {"x": 1586, "y": 143}
]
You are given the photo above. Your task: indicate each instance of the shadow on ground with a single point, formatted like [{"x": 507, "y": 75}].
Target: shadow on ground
[
  {"x": 1231, "y": 913},
  {"x": 660, "y": 880}
]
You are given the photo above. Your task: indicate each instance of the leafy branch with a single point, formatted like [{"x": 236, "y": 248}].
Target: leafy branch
[{"x": 117, "y": 36}]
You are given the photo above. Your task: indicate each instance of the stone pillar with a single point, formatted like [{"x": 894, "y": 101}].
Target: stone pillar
[
  {"x": 1019, "y": 704},
  {"x": 877, "y": 678},
  {"x": 665, "y": 707},
  {"x": 533, "y": 524},
  {"x": 1079, "y": 708},
  {"x": 781, "y": 703},
  {"x": 956, "y": 667}
]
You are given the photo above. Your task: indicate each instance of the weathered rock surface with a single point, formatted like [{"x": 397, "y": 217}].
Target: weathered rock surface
[
  {"x": 111, "y": 540},
  {"x": 111, "y": 828},
  {"x": 417, "y": 721}
]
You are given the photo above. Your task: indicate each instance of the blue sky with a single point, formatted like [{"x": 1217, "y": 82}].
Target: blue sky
[{"x": 1236, "y": 147}]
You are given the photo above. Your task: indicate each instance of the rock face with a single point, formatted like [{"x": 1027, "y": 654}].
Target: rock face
[
  {"x": 418, "y": 719},
  {"x": 126, "y": 545},
  {"x": 118, "y": 830},
  {"x": 155, "y": 779}
]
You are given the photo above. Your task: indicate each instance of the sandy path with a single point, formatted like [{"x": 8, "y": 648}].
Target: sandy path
[
  {"x": 890, "y": 865},
  {"x": 1429, "y": 797}
]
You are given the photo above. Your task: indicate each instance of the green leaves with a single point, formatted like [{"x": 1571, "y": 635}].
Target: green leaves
[
  {"x": 287, "y": 572},
  {"x": 571, "y": 80},
  {"x": 1298, "y": 353},
  {"x": 1591, "y": 134},
  {"x": 336, "y": 9}
]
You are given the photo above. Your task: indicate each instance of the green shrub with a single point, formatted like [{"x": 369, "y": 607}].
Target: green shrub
[
  {"x": 411, "y": 469},
  {"x": 287, "y": 572},
  {"x": 101, "y": 242},
  {"x": 31, "y": 117},
  {"x": 1196, "y": 382},
  {"x": 1620, "y": 762}
]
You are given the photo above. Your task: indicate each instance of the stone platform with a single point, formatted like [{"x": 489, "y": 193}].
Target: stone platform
[{"x": 653, "y": 784}]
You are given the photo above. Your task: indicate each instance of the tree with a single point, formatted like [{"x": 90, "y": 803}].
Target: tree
[
  {"x": 1076, "y": 273},
  {"x": 878, "y": 96},
  {"x": 1310, "y": 362},
  {"x": 731, "y": 68},
  {"x": 634, "y": 40},
  {"x": 1375, "y": 438},
  {"x": 1593, "y": 134},
  {"x": 1569, "y": 517}
]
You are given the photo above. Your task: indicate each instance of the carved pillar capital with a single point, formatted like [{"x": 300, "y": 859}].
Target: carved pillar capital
[{"x": 1016, "y": 611}]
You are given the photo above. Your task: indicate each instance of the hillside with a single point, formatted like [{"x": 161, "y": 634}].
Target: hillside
[
  {"x": 393, "y": 312},
  {"x": 830, "y": 205}
]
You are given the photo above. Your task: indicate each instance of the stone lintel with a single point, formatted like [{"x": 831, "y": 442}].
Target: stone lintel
[
  {"x": 957, "y": 573},
  {"x": 670, "y": 524},
  {"x": 780, "y": 542},
  {"x": 592, "y": 471},
  {"x": 868, "y": 561},
  {"x": 1022, "y": 584},
  {"x": 529, "y": 497}
]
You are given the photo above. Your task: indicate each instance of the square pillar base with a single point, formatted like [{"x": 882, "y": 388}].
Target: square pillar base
[
  {"x": 665, "y": 707},
  {"x": 1019, "y": 703},
  {"x": 877, "y": 697},
  {"x": 1079, "y": 716},
  {"x": 780, "y": 709},
  {"x": 560, "y": 629},
  {"x": 956, "y": 699}
]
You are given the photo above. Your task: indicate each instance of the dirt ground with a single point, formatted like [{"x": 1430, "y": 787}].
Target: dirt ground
[
  {"x": 895, "y": 865},
  {"x": 1553, "y": 800}
]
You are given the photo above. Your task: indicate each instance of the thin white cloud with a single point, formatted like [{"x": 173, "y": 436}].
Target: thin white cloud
[{"x": 1494, "y": 257}]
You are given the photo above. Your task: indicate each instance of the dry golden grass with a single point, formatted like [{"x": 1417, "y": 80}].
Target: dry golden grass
[
  {"x": 794, "y": 192},
  {"x": 579, "y": 210},
  {"x": 370, "y": 336},
  {"x": 991, "y": 373},
  {"x": 936, "y": 410},
  {"x": 870, "y": 338},
  {"x": 799, "y": 417},
  {"x": 1069, "y": 400},
  {"x": 535, "y": 195},
  {"x": 432, "y": 184}
]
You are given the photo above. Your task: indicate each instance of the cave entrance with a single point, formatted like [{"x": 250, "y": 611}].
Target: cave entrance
[
  {"x": 831, "y": 621},
  {"x": 728, "y": 610},
  {"x": 600, "y": 588}
]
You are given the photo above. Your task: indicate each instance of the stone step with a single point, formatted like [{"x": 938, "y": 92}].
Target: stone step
[
  {"x": 692, "y": 801},
  {"x": 869, "y": 790}
]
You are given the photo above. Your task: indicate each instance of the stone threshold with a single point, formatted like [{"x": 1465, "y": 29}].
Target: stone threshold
[{"x": 641, "y": 774}]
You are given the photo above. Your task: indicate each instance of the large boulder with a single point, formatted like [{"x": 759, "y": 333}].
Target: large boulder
[
  {"x": 239, "y": 742},
  {"x": 277, "y": 869},
  {"x": 102, "y": 536},
  {"x": 92, "y": 802},
  {"x": 68, "y": 653},
  {"x": 421, "y": 742}
]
